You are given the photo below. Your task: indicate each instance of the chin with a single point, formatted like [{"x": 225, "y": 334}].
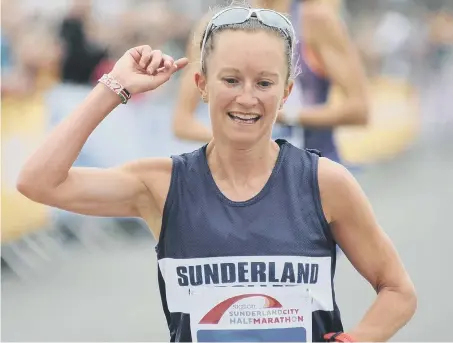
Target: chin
[
  {"x": 243, "y": 140},
  {"x": 241, "y": 134}
]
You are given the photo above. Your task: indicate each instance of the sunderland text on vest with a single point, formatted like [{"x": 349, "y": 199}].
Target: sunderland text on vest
[{"x": 247, "y": 272}]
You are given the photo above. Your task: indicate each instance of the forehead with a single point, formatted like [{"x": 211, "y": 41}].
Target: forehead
[{"x": 245, "y": 49}]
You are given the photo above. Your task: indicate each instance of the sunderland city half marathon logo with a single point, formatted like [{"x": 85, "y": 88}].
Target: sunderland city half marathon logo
[{"x": 252, "y": 317}]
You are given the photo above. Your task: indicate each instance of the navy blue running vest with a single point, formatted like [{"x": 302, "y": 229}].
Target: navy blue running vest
[{"x": 204, "y": 235}]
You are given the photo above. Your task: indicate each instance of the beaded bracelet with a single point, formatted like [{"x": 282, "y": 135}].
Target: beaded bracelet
[{"x": 115, "y": 86}]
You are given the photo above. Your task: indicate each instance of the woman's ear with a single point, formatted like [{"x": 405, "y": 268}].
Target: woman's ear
[
  {"x": 201, "y": 83},
  {"x": 287, "y": 92}
]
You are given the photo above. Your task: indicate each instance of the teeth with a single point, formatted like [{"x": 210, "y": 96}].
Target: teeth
[{"x": 245, "y": 116}]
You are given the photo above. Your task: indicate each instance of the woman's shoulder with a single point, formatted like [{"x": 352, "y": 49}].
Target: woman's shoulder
[{"x": 336, "y": 184}]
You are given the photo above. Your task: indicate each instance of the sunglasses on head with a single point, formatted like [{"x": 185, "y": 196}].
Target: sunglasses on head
[{"x": 239, "y": 15}]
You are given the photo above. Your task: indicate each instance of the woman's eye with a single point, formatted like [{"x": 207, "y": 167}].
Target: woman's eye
[
  {"x": 230, "y": 81},
  {"x": 265, "y": 84}
]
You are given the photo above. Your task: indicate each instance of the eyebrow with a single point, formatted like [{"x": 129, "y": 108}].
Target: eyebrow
[{"x": 263, "y": 73}]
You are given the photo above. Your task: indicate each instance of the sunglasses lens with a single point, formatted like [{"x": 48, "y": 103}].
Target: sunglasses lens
[
  {"x": 238, "y": 15},
  {"x": 231, "y": 16},
  {"x": 273, "y": 19}
]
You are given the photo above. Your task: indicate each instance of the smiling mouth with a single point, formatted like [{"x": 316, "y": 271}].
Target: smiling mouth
[{"x": 244, "y": 118}]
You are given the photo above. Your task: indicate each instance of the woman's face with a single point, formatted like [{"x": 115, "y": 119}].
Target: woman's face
[{"x": 246, "y": 84}]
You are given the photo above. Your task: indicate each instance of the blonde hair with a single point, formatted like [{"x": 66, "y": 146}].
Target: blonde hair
[{"x": 251, "y": 26}]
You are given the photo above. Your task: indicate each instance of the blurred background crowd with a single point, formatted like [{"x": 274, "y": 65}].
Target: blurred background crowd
[{"x": 52, "y": 53}]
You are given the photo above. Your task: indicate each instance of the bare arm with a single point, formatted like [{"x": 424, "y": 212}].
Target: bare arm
[
  {"x": 369, "y": 249},
  {"x": 329, "y": 39},
  {"x": 49, "y": 178},
  {"x": 136, "y": 189},
  {"x": 185, "y": 123}
]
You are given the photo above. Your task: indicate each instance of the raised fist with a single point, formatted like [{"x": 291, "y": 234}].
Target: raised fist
[{"x": 142, "y": 69}]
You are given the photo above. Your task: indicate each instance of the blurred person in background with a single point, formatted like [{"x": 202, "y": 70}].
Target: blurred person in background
[
  {"x": 438, "y": 84},
  {"x": 94, "y": 37},
  {"x": 326, "y": 57},
  {"x": 33, "y": 54},
  {"x": 389, "y": 37},
  {"x": 440, "y": 37},
  {"x": 81, "y": 55},
  {"x": 27, "y": 67}
]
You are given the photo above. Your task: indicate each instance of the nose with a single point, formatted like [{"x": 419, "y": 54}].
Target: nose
[{"x": 247, "y": 97}]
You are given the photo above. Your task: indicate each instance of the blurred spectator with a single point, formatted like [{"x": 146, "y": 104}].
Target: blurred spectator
[
  {"x": 81, "y": 55},
  {"x": 437, "y": 83},
  {"x": 440, "y": 38},
  {"x": 27, "y": 65}
]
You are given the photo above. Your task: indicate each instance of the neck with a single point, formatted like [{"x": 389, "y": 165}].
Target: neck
[{"x": 238, "y": 165}]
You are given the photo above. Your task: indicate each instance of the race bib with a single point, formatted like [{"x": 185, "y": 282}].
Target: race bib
[{"x": 251, "y": 314}]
